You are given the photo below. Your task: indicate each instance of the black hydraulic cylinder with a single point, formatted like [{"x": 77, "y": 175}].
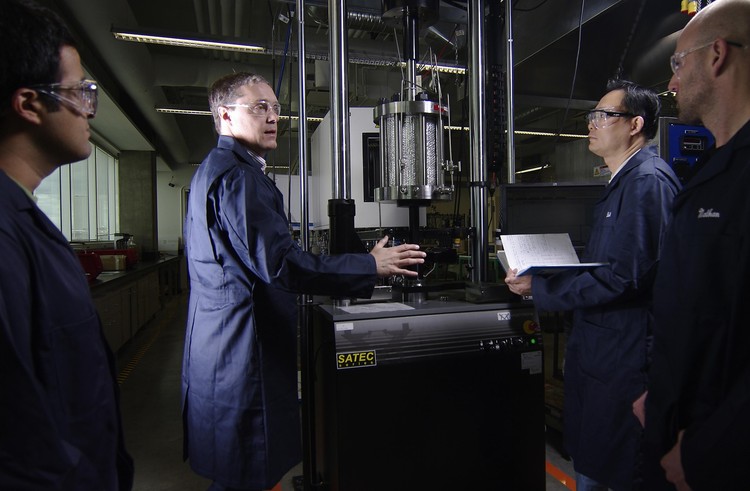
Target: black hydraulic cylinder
[{"x": 343, "y": 237}]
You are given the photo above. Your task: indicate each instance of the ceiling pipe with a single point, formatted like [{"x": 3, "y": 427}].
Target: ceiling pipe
[
  {"x": 213, "y": 18},
  {"x": 240, "y": 23},
  {"x": 239, "y": 19},
  {"x": 228, "y": 16},
  {"x": 200, "y": 18}
]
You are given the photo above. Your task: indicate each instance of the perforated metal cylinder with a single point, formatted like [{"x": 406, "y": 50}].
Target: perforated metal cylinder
[{"x": 411, "y": 151}]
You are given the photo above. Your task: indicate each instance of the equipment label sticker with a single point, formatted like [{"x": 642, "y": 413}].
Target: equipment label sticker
[
  {"x": 532, "y": 361},
  {"x": 356, "y": 359},
  {"x": 344, "y": 326}
]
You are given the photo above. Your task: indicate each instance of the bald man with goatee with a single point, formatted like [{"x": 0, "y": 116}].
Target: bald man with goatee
[{"x": 697, "y": 408}]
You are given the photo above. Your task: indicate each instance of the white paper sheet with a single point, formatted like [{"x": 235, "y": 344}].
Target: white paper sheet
[{"x": 538, "y": 253}]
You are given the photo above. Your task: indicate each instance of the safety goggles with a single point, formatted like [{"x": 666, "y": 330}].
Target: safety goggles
[
  {"x": 601, "y": 118},
  {"x": 82, "y": 96},
  {"x": 675, "y": 61},
  {"x": 260, "y": 108}
]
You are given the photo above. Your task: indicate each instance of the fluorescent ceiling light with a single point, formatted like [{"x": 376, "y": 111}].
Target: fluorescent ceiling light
[
  {"x": 438, "y": 68},
  {"x": 549, "y": 133},
  {"x": 203, "y": 112},
  {"x": 186, "y": 42},
  {"x": 525, "y": 132},
  {"x": 533, "y": 169},
  {"x": 189, "y": 41},
  {"x": 310, "y": 119},
  {"x": 175, "y": 110}
]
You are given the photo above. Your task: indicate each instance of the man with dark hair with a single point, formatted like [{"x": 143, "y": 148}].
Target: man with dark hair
[
  {"x": 59, "y": 417},
  {"x": 697, "y": 430},
  {"x": 605, "y": 358},
  {"x": 239, "y": 377}
]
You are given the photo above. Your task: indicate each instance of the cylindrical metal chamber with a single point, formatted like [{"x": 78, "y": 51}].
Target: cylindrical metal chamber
[{"x": 411, "y": 151}]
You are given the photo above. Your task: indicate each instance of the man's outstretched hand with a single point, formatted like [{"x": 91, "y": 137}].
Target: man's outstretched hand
[{"x": 392, "y": 260}]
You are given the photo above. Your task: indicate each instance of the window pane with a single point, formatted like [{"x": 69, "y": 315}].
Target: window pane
[
  {"x": 102, "y": 195},
  {"x": 81, "y": 198},
  {"x": 79, "y": 203},
  {"x": 48, "y": 197}
]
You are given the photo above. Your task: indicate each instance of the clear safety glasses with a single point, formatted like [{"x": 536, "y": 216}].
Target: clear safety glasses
[
  {"x": 601, "y": 118},
  {"x": 81, "y": 96},
  {"x": 260, "y": 108},
  {"x": 675, "y": 61}
]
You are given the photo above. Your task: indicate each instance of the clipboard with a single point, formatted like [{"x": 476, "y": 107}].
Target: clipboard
[{"x": 540, "y": 254}]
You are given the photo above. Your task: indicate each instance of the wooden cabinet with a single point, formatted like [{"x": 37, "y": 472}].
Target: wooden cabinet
[
  {"x": 129, "y": 300},
  {"x": 109, "y": 308},
  {"x": 149, "y": 301}
]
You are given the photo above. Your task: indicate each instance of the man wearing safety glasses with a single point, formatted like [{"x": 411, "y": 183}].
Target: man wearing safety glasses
[
  {"x": 605, "y": 360},
  {"x": 697, "y": 429},
  {"x": 239, "y": 377},
  {"x": 59, "y": 416}
]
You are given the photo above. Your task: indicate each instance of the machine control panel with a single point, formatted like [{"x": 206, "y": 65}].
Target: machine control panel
[
  {"x": 508, "y": 344},
  {"x": 692, "y": 144},
  {"x": 681, "y": 145}
]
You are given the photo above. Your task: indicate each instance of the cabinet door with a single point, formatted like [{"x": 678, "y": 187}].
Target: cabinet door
[{"x": 110, "y": 313}]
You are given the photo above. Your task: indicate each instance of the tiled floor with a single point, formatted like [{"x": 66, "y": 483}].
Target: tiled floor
[{"x": 150, "y": 397}]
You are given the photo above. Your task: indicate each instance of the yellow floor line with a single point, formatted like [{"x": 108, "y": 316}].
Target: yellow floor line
[{"x": 138, "y": 355}]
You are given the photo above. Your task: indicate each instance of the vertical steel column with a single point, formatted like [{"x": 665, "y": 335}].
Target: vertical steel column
[
  {"x": 340, "y": 139},
  {"x": 510, "y": 125},
  {"x": 304, "y": 219},
  {"x": 411, "y": 51},
  {"x": 477, "y": 113},
  {"x": 302, "y": 128},
  {"x": 307, "y": 355}
]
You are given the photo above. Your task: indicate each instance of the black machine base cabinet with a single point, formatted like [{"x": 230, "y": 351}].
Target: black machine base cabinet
[{"x": 430, "y": 414}]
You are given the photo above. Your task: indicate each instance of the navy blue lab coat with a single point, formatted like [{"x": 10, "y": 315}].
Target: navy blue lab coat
[
  {"x": 606, "y": 353},
  {"x": 59, "y": 416},
  {"x": 239, "y": 376},
  {"x": 699, "y": 380}
]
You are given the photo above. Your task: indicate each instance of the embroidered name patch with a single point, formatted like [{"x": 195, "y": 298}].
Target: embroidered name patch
[{"x": 710, "y": 213}]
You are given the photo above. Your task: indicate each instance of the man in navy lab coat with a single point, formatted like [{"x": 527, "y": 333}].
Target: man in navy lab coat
[
  {"x": 605, "y": 359},
  {"x": 697, "y": 433},
  {"x": 59, "y": 416},
  {"x": 239, "y": 377}
]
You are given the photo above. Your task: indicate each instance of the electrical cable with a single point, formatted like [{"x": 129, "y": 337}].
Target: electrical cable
[
  {"x": 575, "y": 74},
  {"x": 286, "y": 52},
  {"x": 529, "y": 9},
  {"x": 447, "y": 43},
  {"x": 456, "y": 5},
  {"x": 620, "y": 66},
  {"x": 273, "y": 42}
]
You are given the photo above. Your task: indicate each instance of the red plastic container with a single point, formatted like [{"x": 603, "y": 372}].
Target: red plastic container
[{"x": 92, "y": 264}]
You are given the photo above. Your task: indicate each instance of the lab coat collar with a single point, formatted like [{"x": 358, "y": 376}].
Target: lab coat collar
[
  {"x": 19, "y": 201},
  {"x": 632, "y": 162},
  {"x": 242, "y": 152},
  {"x": 624, "y": 164}
]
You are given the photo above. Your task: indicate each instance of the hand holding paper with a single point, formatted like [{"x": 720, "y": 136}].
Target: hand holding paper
[{"x": 539, "y": 253}]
